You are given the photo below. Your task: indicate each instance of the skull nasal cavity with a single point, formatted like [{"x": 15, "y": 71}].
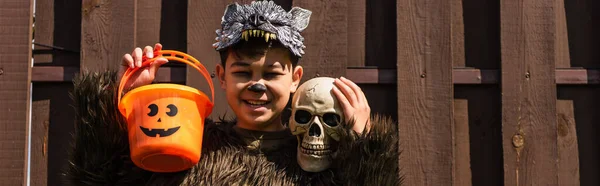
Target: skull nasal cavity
[
  {"x": 257, "y": 20},
  {"x": 314, "y": 131}
]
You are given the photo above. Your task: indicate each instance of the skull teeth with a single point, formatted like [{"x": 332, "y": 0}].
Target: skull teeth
[
  {"x": 246, "y": 34},
  {"x": 308, "y": 146},
  {"x": 316, "y": 152}
]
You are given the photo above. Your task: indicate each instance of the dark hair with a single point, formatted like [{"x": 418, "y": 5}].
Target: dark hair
[{"x": 255, "y": 48}]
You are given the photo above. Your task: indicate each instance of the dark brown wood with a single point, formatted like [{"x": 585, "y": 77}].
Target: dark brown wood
[
  {"x": 356, "y": 15},
  {"x": 40, "y": 123},
  {"x": 380, "y": 49},
  {"x": 568, "y": 152},
  {"x": 107, "y": 33},
  {"x": 458, "y": 38},
  {"x": 148, "y": 14},
  {"x": 204, "y": 17},
  {"x": 53, "y": 73},
  {"x": 371, "y": 75},
  {"x": 173, "y": 26},
  {"x": 425, "y": 92},
  {"x": 485, "y": 134},
  {"x": 581, "y": 120},
  {"x": 529, "y": 92},
  {"x": 462, "y": 155},
  {"x": 67, "y": 32},
  {"x": 577, "y": 76},
  {"x": 15, "y": 60},
  {"x": 562, "y": 38},
  {"x": 326, "y": 38},
  {"x": 43, "y": 31},
  {"x": 482, "y": 33}
]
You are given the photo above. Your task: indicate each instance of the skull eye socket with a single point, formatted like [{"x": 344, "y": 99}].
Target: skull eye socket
[
  {"x": 302, "y": 116},
  {"x": 153, "y": 110},
  {"x": 172, "y": 110},
  {"x": 331, "y": 119}
]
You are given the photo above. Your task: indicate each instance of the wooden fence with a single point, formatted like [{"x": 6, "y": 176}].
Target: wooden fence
[{"x": 489, "y": 92}]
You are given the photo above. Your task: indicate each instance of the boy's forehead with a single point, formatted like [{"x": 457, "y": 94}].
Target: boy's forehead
[{"x": 273, "y": 58}]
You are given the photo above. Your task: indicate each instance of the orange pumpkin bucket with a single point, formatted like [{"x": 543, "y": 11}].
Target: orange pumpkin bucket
[{"x": 166, "y": 121}]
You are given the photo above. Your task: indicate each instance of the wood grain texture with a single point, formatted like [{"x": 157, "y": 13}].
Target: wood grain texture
[
  {"x": 562, "y": 38},
  {"x": 148, "y": 24},
  {"x": 43, "y": 31},
  {"x": 462, "y": 154},
  {"x": 458, "y": 33},
  {"x": 356, "y": 15},
  {"x": 577, "y": 117},
  {"x": 15, "y": 61},
  {"x": 40, "y": 123},
  {"x": 529, "y": 92},
  {"x": 425, "y": 92},
  {"x": 107, "y": 33},
  {"x": 326, "y": 38},
  {"x": 568, "y": 152},
  {"x": 204, "y": 17}
]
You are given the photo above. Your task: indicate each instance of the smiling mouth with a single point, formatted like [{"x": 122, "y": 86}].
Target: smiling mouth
[
  {"x": 256, "y": 103},
  {"x": 159, "y": 132}
]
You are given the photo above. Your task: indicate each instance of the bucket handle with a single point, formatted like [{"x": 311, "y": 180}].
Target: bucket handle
[{"x": 170, "y": 55}]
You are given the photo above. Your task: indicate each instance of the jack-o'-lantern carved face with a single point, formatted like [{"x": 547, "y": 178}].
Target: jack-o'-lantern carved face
[{"x": 167, "y": 112}]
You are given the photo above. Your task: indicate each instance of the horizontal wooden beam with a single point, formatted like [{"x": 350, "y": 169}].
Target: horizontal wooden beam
[
  {"x": 66, "y": 74},
  {"x": 363, "y": 75}
]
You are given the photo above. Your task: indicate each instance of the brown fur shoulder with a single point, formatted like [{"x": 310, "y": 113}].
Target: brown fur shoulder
[{"x": 370, "y": 158}]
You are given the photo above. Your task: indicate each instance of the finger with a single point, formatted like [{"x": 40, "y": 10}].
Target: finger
[
  {"x": 346, "y": 106},
  {"x": 346, "y": 90},
  {"x": 137, "y": 56},
  {"x": 157, "y": 47},
  {"x": 148, "y": 52},
  {"x": 127, "y": 61},
  {"x": 360, "y": 96},
  {"x": 156, "y": 64}
]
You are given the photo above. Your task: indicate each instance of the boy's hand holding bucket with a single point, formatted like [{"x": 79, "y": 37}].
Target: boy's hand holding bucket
[
  {"x": 143, "y": 76},
  {"x": 165, "y": 121}
]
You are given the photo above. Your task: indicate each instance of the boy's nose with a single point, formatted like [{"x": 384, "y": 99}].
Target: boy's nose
[{"x": 257, "y": 87}]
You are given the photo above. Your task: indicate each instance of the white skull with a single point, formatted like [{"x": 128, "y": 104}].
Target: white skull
[{"x": 316, "y": 119}]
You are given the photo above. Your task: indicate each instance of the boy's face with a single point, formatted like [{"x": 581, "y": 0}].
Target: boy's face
[{"x": 259, "y": 110}]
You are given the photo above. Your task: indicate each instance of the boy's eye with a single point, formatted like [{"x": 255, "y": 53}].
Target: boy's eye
[
  {"x": 241, "y": 73},
  {"x": 272, "y": 74}
]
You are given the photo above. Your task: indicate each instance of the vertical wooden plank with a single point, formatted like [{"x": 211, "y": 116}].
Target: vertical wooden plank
[
  {"x": 108, "y": 32},
  {"x": 578, "y": 131},
  {"x": 458, "y": 34},
  {"x": 40, "y": 122},
  {"x": 529, "y": 92},
  {"x": 67, "y": 33},
  {"x": 425, "y": 92},
  {"x": 16, "y": 19},
  {"x": 380, "y": 49},
  {"x": 356, "y": 15},
  {"x": 562, "y": 38},
  {"x": 462, "y": 156},
  {"x": 173, "y": 26},
  {"x": 148, "y": 22},
  {"x": 43, "y": 30},
  {"x": 326, "y": 38},
  {"x": 204, "y": 17},
  {"x": 568, "y": 152}
]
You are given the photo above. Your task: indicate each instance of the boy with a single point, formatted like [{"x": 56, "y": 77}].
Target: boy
[{"x": 258, "y": 72}]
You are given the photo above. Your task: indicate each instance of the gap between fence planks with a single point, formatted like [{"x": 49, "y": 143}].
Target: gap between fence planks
[
  {"x": 15, "y": 78},
  {"x": 425, "y": 92},
  {"x": 529, "y": 92}
]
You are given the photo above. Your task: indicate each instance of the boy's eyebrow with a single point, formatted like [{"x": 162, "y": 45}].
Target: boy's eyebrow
[{"x": 241, "y": 64}]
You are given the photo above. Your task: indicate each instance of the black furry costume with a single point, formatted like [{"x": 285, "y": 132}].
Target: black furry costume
[{"x": 100, "y": 152}]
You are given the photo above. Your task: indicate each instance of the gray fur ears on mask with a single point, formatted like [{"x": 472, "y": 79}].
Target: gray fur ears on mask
[{"x": 301, "y": 18}]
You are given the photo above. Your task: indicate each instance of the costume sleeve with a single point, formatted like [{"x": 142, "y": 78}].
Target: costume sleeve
[
  {"x": 370, "y": 158},
  {"x": 99, "y": 152}
]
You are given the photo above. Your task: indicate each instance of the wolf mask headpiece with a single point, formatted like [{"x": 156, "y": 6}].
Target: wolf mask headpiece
[{"x": 263, "y": 19}]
